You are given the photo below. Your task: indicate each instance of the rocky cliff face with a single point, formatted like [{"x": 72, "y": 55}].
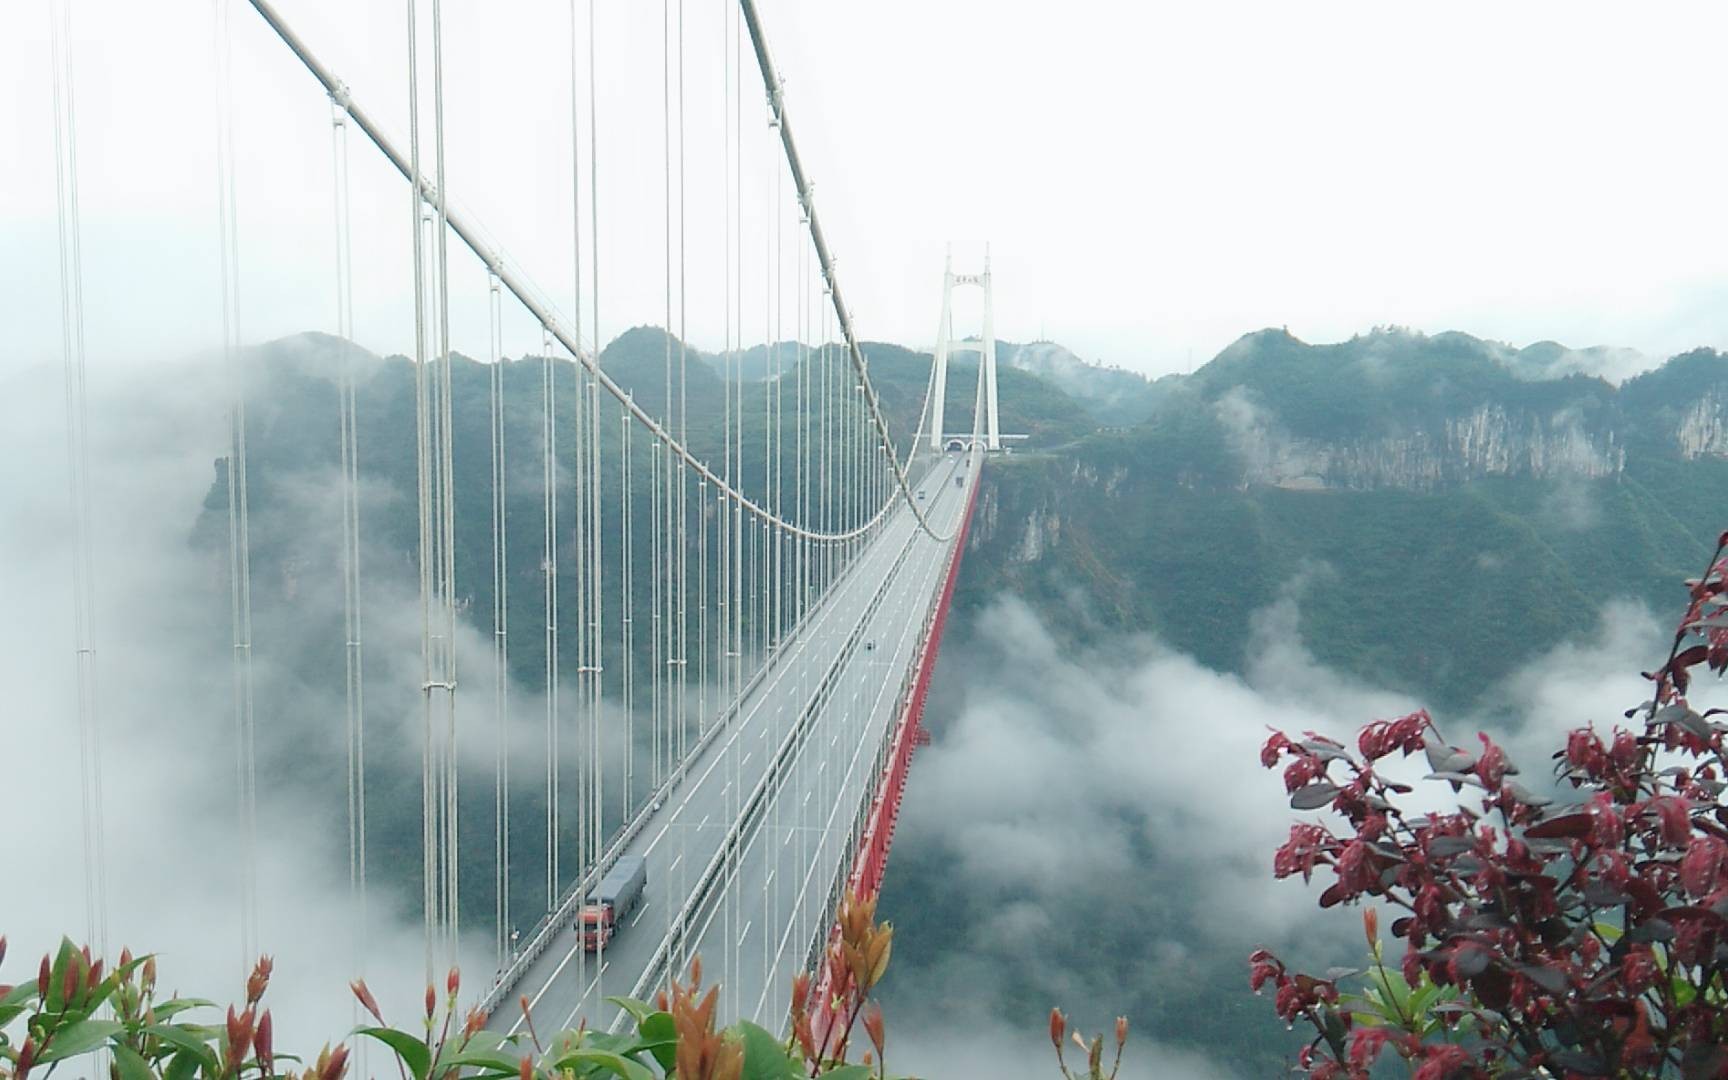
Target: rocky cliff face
[
  {"x": 1488, "y": 440},
  {"x": 1702, "y": 429},
  {"x": 1390, "y": 412}
]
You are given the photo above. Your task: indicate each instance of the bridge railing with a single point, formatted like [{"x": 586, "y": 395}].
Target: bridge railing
[
  {"x": 545, "y": 931},
  {"x": 758, "y": 800},
  {"x": 873, "y": 828}
]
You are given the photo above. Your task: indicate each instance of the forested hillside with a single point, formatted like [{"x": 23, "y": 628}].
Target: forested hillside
[
  {"x": 1495, "y": 509},
  {"x": 1437, "y": 510},
  {"x": 1431, "y": 513}
]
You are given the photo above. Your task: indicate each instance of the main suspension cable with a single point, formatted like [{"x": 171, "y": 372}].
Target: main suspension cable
[{"x": 531, "y": 299}]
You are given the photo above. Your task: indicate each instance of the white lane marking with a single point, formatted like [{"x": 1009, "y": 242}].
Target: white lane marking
[
  {"x": 675, "y": 862},
  {"x": 744, "y": 934},
  {"x": 879, "y": 553},
  {"x": 852, "y": 769},
  {"x": 585, "y": 993},
  {"x": 550, "y": 979},
  {"x": 770, "y": 690},
  {"x": 640, "y": 912}
]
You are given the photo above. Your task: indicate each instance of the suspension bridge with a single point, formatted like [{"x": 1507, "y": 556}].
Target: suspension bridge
[{"x": 737, "y": 604}]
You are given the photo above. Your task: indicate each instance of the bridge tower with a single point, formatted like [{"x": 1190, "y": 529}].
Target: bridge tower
[{"x": 986, "y": 349}]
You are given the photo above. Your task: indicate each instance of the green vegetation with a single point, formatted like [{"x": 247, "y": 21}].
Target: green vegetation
[
  {"x": 77, "y": 1008},
  {"x": 1412, "y": 589},
  {"x": 1441, "y": 588}
]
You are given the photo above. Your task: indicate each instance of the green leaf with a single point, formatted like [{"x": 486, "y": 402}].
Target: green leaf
[
  {"x": 131, "y": 1064},
  {"x": 1684, "y": 992},
  {"x": 610, "y": 1061},
  {"x": 605, "y": 1040},
  {"x": 16, "y": 1002},
  {"x": 79, "y": 1037},
  {"x": 660, "y": 1038},
  {"x": 184, "y": 1066},
  {"x": 1422, "y": 999},
  {"x": 640, "y": 1010},
  {"x": 110, "y": 984},
  {"x": 194, "y": 1037},
  {"x": 765, "y": 1056},
  {"x": 482, "y": 1058},
  {"x": 57, "y": 975},
  {"x": 166, "y": 1010},
  {"x": 487, "y": 1050},
  {"x": 409, "y": 1049},
  {"x": 848, "y": 1072}
]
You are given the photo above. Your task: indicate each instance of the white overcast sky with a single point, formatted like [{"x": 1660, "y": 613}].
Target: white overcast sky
[{"x": 1154, "y": 179}]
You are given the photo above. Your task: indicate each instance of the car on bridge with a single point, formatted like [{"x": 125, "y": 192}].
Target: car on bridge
[{"x": 615, "y": 897}]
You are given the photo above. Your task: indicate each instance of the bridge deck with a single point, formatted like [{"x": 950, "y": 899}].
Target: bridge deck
[{"x": 843, "y": 671}]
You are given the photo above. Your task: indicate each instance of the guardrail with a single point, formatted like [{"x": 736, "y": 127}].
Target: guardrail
[
  {"x": 541, "y": 936},
  {"x": 882, "y": 806},
  {"x": 658, "y": 965}
]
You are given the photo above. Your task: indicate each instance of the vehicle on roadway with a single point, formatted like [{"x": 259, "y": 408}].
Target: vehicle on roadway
[
  {"x": 959, "y": 481},
  {"x": 920, "y": 495},
  {"x": 615, "y": 897}
]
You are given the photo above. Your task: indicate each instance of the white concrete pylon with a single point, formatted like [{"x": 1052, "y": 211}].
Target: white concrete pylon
[
  {"x": 987, "y": 366},
  {"x": 939, "y": 385},
  {"x": 986, "y": 350}
]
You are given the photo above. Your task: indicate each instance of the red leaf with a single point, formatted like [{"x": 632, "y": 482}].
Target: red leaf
[
  {"x": 1565, "y": 827},
  {"x": 1688, "y": 657}
]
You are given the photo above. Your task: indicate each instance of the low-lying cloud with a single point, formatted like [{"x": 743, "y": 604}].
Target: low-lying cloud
[
  {"x": 174, "y": 844},
  {"x": 1092, "y": 829}
]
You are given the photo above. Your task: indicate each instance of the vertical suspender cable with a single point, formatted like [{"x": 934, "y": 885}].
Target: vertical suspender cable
[
  {"x": 500, "y": 627},
  {"x": 594, "y": 290},
  {"x": 663, "y": 555},
  {"x": 239, "y": 540},
  {"x": 549, "y": 596},
  {"x": 446, "y": 503},
  {"x": 579, "y": 556},
  {"x": 579, "y": 553},
  {"x": 78, "y": 474},
  {"x": 655, "y": 670},
  {"x": 683, "y": 427},
  {"x": 583, "y": 450},
  {"x": 597, "y": 615},
  {"x": 626, "y": 595},
  {"x": 733, "y": 253},
  {"x": 429, "y": 839},
  {"x": 594, "y": 249},
  {"x": 735, "y": 648},
  {"x": 353, "y": 689}
]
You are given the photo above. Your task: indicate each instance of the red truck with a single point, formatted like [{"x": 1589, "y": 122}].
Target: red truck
[{"x": 615, "y": 897}]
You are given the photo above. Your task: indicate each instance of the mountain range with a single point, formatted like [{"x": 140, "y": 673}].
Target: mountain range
[{"x": 1436, "y": 510}]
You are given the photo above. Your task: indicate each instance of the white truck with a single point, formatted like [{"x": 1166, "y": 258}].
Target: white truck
[{"x": 615, "y": 897}]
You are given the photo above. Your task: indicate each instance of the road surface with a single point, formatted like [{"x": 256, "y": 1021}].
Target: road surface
[{"x": 823, "y": 710}]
